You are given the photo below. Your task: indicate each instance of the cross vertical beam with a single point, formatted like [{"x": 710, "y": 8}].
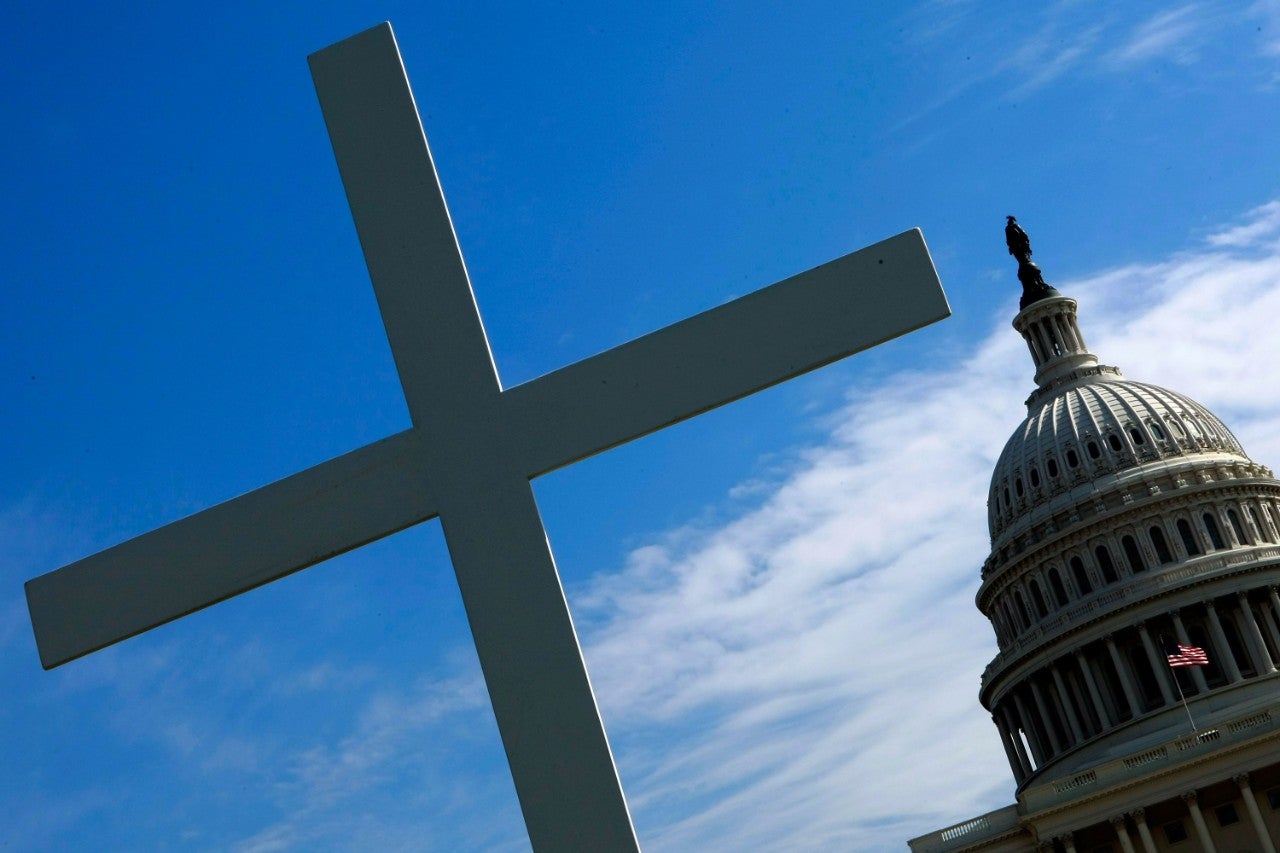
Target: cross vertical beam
[
  {"x": 551, "y": 730},
  {"x": 473, "y": 448}
]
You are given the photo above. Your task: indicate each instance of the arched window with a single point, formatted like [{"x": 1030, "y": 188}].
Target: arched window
[
  {"x": 1104, "y": 563},
  {"x": 1263, "y": 519},
  {"x": 1211, "y": 527},
  {"x": 1162, "y": 547},
  {"x": 1014, "y": 627},
  {"x": 1262, "y": 531},
  {"x": 1095, "y": 452},
  {"x": 1082, "y": 579},
  {"x": 1155, "y": 430},
  {"x": 1188, "y": 540},
  {"x": 1235, "y": 527},
  {"x": 1072, "y": 459},
  {"x": 1059, "y": 591},
  {"x": 1034, "y": 476},
  {"x": 1022, "y": 607},
  {"x": 1037, "y": 599},
  {"x": 1052, "y": 465},
  {"x": 1017, "y": 486},
  {"x": 1115, "y": 442},
  {"x": 1136, "y": 435},
  {"x": 1133, "y": 554}
]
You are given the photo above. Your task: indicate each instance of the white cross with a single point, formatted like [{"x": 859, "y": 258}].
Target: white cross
[{"x": 473, "y": 448}]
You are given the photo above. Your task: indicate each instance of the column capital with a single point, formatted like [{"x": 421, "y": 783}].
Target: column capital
[
  {"x": 1241, "y": 779},
  {"x": 1065, "y": 837},
  {"x": 1188, "y": 796},
  {"x": 1139, "y": 814},
  {"x": 1142, "y": 627},
  {"x": 1117, "y": 820}
]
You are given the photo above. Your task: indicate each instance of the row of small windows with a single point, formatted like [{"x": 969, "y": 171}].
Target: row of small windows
[
  {"x": 1056, "y": 586},
  {"x": 1199, "y": 429}
]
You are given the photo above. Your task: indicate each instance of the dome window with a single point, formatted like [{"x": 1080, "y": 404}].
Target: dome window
[
  {"x": 1136, "y": 435},
  {"x": 1155, "y": 430},
  {"x": 1006, "y": 497},
  {"x": 1188, "y": 539},
  {"x": 1034, "y": 476},
  {"x": 1017, "y": 486},
  {"x": 1236, "y": 528},
  {"x": 1211, "y": 527},
  {"x": 1022, "y": 607},
  {"x": 1262, "y": 531},
  {"x": 1176, "y": 428},
  {"x": 1106, "y": 564},
  {"x": 1094, "y": 451},
  {"x": 1059, "y": 591},
  {"x": 1073, "y": 460},
  {"x": 1082, "y": 579},
  {"x": 1037, "y": 598},
  {"x": 1114, "y": 441},
  {"x": 1133, "y": 555},
  {"x": 1162, "y": 547},
  {"x": 1052, "y": 466}
]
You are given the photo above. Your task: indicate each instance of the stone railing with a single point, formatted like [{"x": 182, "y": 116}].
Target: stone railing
[
  {"x": 1117, "y": 771},
  {"x": 963, "y": 834},
  {"x": 1108, "y": 598}
]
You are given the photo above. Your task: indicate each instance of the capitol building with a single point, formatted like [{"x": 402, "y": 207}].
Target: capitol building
[{"x": 1126, "y": 520}]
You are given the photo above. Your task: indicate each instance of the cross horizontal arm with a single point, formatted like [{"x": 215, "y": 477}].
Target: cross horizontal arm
[
  {"x": 229, "y": 549},
  {"x": 840, "y": 308}
]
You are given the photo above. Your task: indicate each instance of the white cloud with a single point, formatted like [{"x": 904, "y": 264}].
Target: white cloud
[
  {"x": 1164, "y": 35},
  {"x": 801, "y": 664},
  {"x": 805, "y": 675},
  {"x": 1260, "y": 223}
]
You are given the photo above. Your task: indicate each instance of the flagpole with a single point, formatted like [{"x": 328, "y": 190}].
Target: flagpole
[{"x": 1185, "y": 707}]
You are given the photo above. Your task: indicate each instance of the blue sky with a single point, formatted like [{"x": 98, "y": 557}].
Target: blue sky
[{"x": 775, "y": 599}]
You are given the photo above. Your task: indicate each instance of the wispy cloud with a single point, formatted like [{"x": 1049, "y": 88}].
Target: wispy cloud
[
  {"x": 807, "y": 658},
  {"x": 1260, "y": 224},
  {"x": 778, "y": 681},
  {"x": 1167, "y": 35}
]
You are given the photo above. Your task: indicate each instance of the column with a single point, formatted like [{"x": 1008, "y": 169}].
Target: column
[
  {"x": 1044, "y": 716},
  {"x": 1144, "y": 832},
  {"x": 1159, "y": 665},
  {"x": 1094, "y": 695},
  {"x": 1226, "y": 659},
  {"x": 1014, "y": 764},
  {"x": 1202, "y": 830},
  {"x": 1275, "y": 602},
  {"x": 1265, "y": 664},
  {"x": 1069, "y": 843},
  {"x": 1072, "y": 722},
  {"x": 1033, "y": 737},
  {"x": 1122, "y": 833},
  {"x": 1269, "y": 620},
  {"x": 1183, "y": 637},
  {"x": 1013, "y": 747},
  {"x": 1255, "y": 815},
  {"x": 1126, "y": 679}
]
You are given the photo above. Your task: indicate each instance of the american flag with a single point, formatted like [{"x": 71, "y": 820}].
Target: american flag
[{"x": 1180, "y": 655}]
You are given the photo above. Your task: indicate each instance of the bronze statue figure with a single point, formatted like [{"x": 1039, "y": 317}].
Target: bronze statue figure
[
  {"x": 1034, "y": 287},
  {"x": 1017, "y": 240}
]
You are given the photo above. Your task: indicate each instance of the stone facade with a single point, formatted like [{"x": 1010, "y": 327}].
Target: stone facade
[{"x": 1123, "y": 515}]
